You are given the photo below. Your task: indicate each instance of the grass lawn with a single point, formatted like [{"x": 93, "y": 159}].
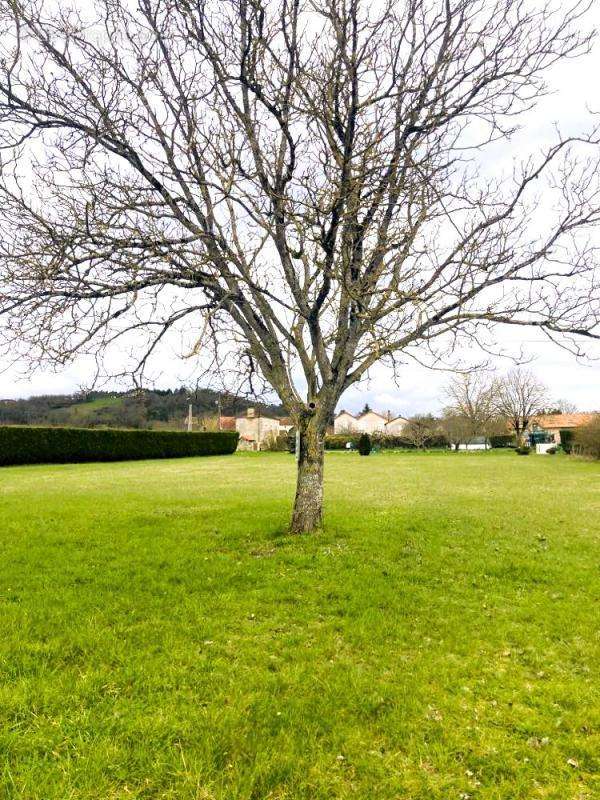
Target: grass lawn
[{"x": 162, "y": 637}]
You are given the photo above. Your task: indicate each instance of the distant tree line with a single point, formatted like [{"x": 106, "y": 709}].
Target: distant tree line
[
  {"x": 491, "y": 407},
  {"x": 134, "y": 409}
]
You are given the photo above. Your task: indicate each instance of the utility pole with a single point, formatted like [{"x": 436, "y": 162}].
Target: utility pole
[
  {"x": 219, "y": 410},
  {"x": 190, "y": 419}
]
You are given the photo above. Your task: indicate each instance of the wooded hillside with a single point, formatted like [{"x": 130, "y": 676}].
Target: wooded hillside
[{"x": 158, "y": 408}]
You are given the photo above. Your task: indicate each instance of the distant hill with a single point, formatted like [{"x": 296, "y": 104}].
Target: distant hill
[{"x": 158, "y": 408}]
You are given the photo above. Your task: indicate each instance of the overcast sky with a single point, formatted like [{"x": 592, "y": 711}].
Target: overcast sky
[{"x": 419, "y": 389}]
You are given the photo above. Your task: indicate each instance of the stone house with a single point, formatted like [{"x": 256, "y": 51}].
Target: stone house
[{"x": 255, "y": 429}]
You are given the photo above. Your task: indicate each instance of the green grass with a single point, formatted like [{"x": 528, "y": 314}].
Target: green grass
[
  {"x": 161, "y": 636},
  {"x": 81, "y": 413}
]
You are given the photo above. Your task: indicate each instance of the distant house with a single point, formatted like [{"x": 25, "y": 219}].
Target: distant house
[
  {"x": 552, "y": 424},
  {"x": 476, "y": 443},
  {"x": 395, "y": 426},
  {"x": 255, "y": 430},
  {"x": 370, "y": 422},
  {"x": 344, "y": 422}
]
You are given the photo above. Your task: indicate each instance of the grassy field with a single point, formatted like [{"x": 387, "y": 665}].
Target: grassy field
[
  {"x": 162, "y": 637},
  {"x": 82, "y": 413}
]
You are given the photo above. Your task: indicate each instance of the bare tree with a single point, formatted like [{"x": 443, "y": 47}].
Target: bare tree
[
  {"x": 520, "y": 398},
  {"x": 456, "y": 427},
  {"x": 562, "y": 406},
  {"x": 420, "y": 429},
  {"x": 294, "y": 180},
  {"x": 472, "y": 398},
  {"x": 587, "y": 438}
]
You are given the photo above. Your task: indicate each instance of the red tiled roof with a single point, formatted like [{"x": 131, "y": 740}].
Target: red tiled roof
[{"x": 564, "y": 420}]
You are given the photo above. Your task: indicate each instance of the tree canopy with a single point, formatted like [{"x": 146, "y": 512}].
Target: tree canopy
[{"x": 299, "y": 185}]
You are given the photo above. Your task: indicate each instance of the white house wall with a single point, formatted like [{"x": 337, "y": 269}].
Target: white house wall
[
  {"x": 371, "y": 423},
  {"x": 345, "y": 423},
  {"x": 257, "y": 428},
  {"x": 395, "y": 427}
]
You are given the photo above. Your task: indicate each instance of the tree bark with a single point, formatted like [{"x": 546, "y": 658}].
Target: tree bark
[
  {"x": 308, "y": 505},
  {"x": 518, "y": 435}
]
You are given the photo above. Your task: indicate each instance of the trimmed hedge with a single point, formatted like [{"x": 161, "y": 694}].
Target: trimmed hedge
[
  {"x": 29, "y": 445},
  {"x": 338, "y": 441},
  {"x": 502, "y": 440},
  {"x": 393, "y": 442}
]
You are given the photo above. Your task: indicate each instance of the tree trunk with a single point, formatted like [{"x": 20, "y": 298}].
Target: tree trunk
[
  {"x": 518, "y": 435},
  {"x": 308, "y": 505}
]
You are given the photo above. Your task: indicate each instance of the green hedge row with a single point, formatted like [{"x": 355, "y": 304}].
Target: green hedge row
[
  {"x": 503, "y": 440},
  {"x": 337, "y": 441},
  {"x": 28, "y": 445}
]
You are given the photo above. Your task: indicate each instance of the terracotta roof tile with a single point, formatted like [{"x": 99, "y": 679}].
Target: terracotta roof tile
[{"x": 564, "y": 420}]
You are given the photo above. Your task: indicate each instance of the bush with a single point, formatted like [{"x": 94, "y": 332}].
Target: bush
[
  {"x": 338, "y": 441},
  {"x": 502, "y": 440},
  {"x": 438, "y": 441},
  {"x": 523, "y": 450},
  {"x": 392, "y": 442},
  {"x": 364, "y": 444},
  {"x": 423, "y": 431},
  {"x": 567, "y": 438},
  {"x": 587, "y": 438},
  {"x": 25, "y": 445},
  {"x": 276, "y": 443}
]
